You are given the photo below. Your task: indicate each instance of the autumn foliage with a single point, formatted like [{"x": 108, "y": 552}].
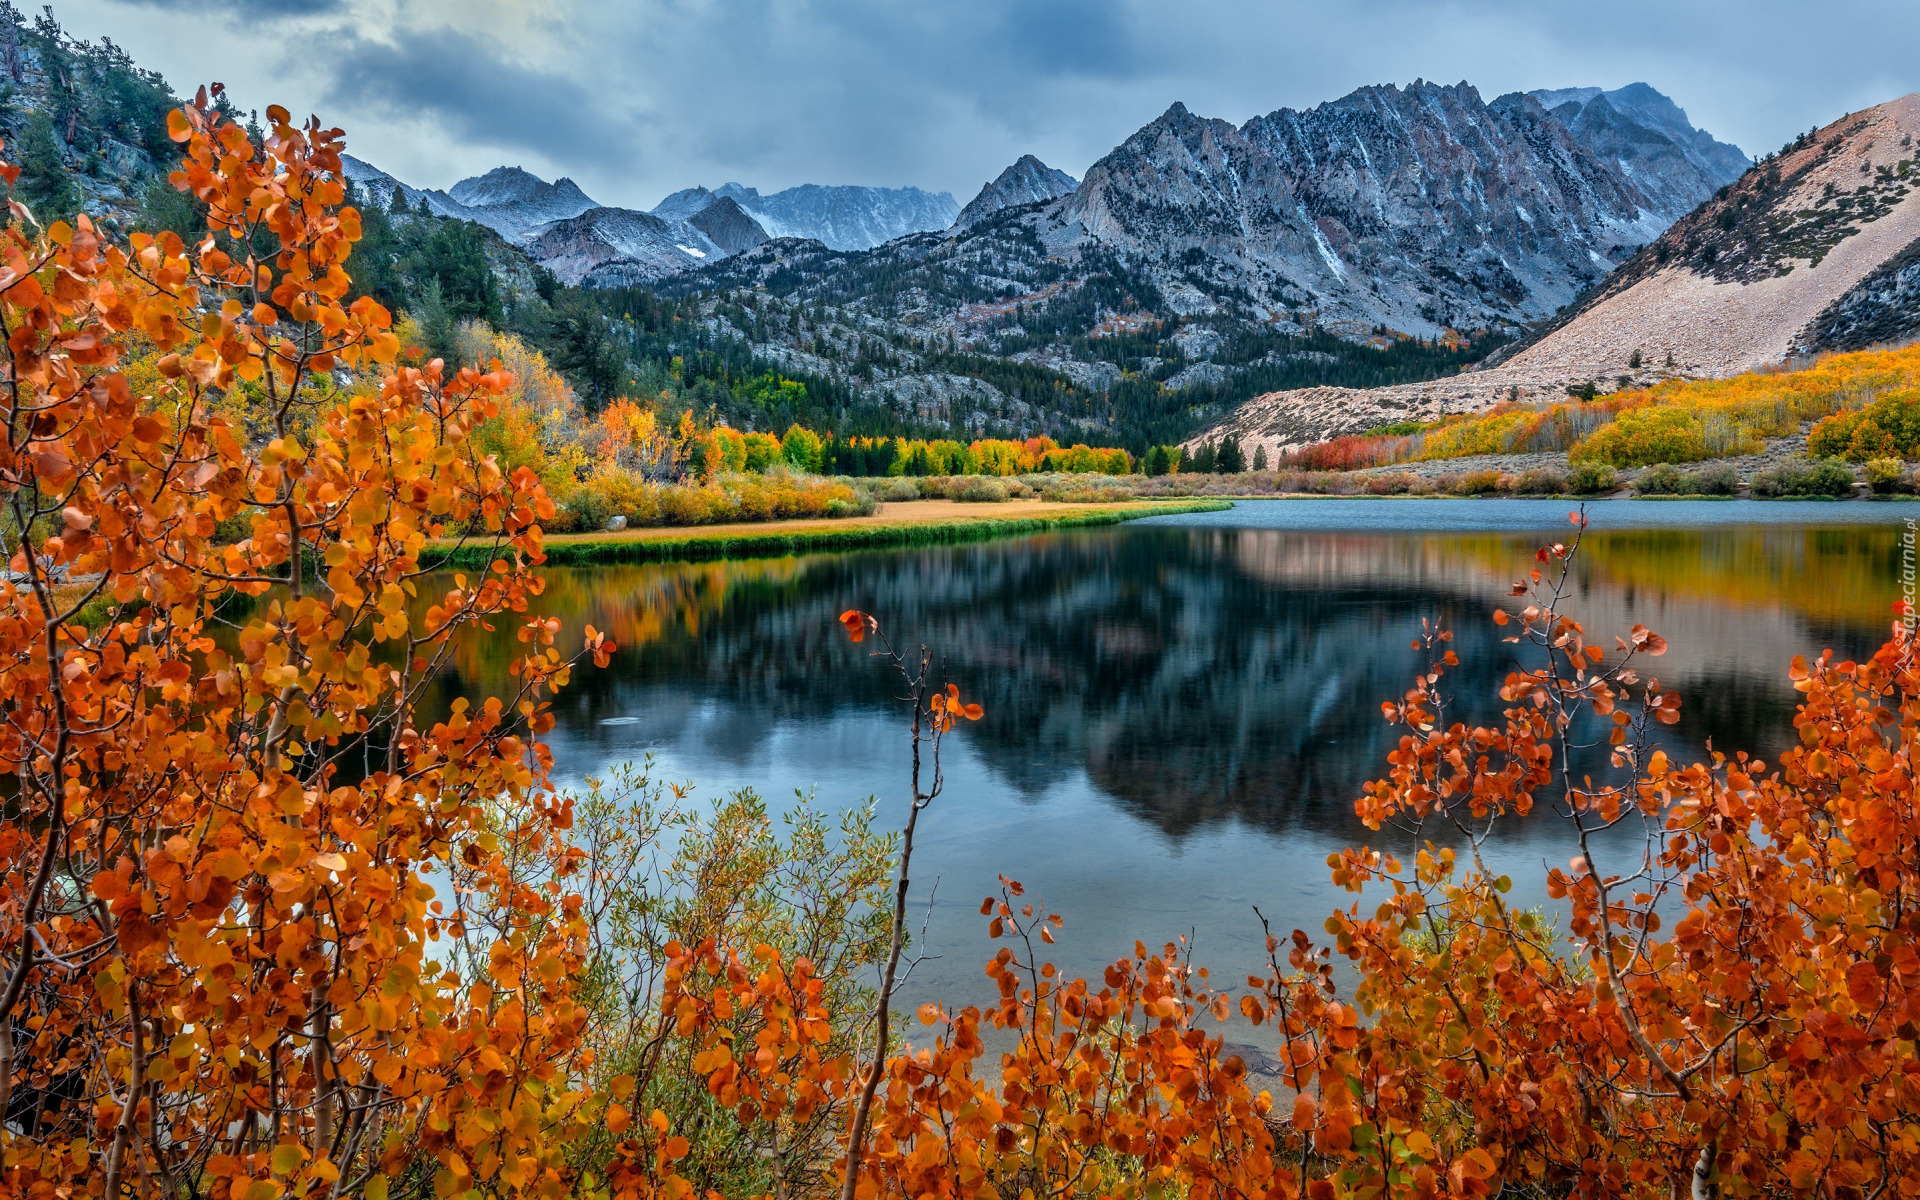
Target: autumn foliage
[
  {"x": 238, "y": 872},
  {"x": 1865, "y": 404},
  {"x": 270, "y": 930}
]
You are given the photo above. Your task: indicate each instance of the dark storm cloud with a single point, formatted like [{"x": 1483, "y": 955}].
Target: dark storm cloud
[
  {"x": 478, "y": 91},
  {"x": 639, "y": 97}
]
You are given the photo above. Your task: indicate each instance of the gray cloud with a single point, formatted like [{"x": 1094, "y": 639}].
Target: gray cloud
[
  {"x": 476, "y": 90},
  {"x": 639, "y": 98},
  {"x": 255, "y": 9}
]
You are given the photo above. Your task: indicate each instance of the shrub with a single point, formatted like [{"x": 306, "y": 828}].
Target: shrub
[
  {"x": 1394, "y": 484},
  {"x": 1476, "y": 483},
  {"x": 1887, "y": 476},
  {"x": 891, "y": 489},
  {"x": 1799, "y": 477},
  {"x": 1589, "y": 478},
  {"x": 978, "y": 489},
  {"x": 1088, "y": 495},
  {"x": 1639, "y": 437},
  {"x": 1538, "y": 481},
  {"x": 1661, "y": 479},
  {"x": 1888, "y": 427},
  {"x": 1720, "y": 479}
]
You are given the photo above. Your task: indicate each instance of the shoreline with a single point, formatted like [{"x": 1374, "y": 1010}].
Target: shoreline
[{"x": 926, "y": 523}]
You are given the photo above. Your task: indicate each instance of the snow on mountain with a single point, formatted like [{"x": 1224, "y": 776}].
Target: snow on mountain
[
  {"x": 843, "y": 218},
  {"x": 378, "y": 188},
  {"x": 1027, "y": 181},
  {"x": 683, "y": 204},
  {"x": 618, "y": 247},
  {"x": 727, "y": 225},
  {"x": 1649, "y": 138},
  {"x": 1420, "y": 208},
  {"x": 516, "y": 202},
  {"x": 508, "y": 200}
]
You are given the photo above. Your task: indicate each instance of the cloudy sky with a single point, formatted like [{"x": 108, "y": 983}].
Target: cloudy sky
[{"x": 635, "y": 98}]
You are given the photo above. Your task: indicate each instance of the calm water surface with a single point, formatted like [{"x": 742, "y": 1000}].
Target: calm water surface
[{"x": 1180, "y": 711}]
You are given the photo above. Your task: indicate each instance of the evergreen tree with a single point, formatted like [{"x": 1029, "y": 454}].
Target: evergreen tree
[
  {"x": 1203, "y": 458},
  {"x": 1260, "y": 457},
  {"x": 1230, "y": 459},
  {"x": 1155, "y": 462},
  {"x": 45, "y": 184},
  {"x": 436, "y": 323}
]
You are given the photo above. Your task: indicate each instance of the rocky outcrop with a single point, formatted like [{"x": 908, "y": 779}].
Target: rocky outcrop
[
  {"x": 1883, "y": 308},
  {"x": 844, "y": 218},
  {"x": 1027, "y": 181}
]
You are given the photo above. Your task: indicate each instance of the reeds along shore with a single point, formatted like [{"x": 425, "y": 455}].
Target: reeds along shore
[{"x": 701, "y": 544}]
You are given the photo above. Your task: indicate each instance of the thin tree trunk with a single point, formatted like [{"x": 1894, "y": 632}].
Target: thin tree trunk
[{"x": 862, "y": 1110}]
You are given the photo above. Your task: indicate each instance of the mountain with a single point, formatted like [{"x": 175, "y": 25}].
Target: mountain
[
  {"x": 1651, "y": 111},
  {"x": 728, "y": 226},
  {"x": 684, "y": 203},
  {"x": 1811, "y": 250},
  {"x": 618, "y": 247},
  {"x": 1651, "y": 140},
  {"x": 1027, "y": 181},
  {"x": 844, "y": 218},
  {"x": 1199, "y": 264},
  {"x": 511, "y": 202},
  {"x": 1417, "y": 208},
  {"x": 515, "y": 202}
]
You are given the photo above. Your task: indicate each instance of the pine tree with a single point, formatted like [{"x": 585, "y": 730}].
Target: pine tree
[
  {"x": 1260, "y": 457},
  {"x": 45, "y": 183},
  {"x": 436, "y": 323},
  {"x": 1230, "y": 459}
]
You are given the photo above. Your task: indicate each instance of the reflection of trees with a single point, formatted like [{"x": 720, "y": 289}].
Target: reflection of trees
[{"x": 1193, "y": 674}]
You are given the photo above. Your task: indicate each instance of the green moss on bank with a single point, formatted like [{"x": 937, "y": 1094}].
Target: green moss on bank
[{"x": 704, "y": 545}]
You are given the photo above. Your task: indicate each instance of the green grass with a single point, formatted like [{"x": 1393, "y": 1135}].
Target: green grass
[{"x": 697, "y": 545}]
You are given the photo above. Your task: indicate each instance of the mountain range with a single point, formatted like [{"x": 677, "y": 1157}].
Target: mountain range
[
  {"x": 586, "y": 243},
  {"x": 1420, "y": 209},
  {"x": 1814, "y": 249}
]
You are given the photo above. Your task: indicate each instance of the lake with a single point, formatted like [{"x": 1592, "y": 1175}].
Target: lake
[{"x": 1180, "y": 711}]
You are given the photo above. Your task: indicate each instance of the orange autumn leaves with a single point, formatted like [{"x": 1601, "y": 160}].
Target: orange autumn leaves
[
  {"x": 238, "y": 869},
  {"x": 269, "y": 931}
]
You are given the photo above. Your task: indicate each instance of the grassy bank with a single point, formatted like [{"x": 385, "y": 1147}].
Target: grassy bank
[{"x": 778, "y": 538}]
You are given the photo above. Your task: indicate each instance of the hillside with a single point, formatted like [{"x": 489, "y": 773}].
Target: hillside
[
  {"x": 86, "y": 124},
  {"x": 1787, "y": 261}
]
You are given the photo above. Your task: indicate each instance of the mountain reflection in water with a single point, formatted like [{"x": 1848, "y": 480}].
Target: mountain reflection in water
[{"x": 1178, "y": 719}]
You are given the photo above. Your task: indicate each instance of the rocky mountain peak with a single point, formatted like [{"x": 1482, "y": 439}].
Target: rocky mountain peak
[
  {"x": 844, "y": 217},
  {"x": 727, "y": 225},
  {"x": 1420, "y": 207},
  {"x": 684, "y": 203},
  {"x": 1648, "y": 136},
  {"x": 1027, "y": 181},
  {"x": 517, "y": 186}
]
